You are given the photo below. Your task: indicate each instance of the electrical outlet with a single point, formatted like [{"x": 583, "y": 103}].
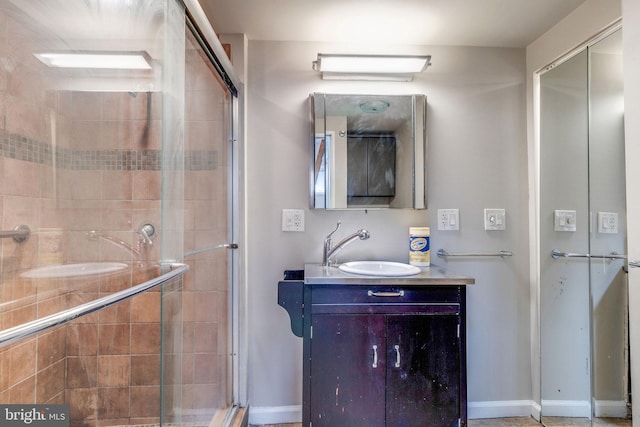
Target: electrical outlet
[
  {"x": 292, "y": 220},
  {"x": 495, "y": 219},
  {"x": 607, "y": 222},
  {"x": 448, "y": 219}
]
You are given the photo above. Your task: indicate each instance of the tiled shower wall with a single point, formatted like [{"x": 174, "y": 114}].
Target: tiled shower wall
[{"x": 71, "y": 162}]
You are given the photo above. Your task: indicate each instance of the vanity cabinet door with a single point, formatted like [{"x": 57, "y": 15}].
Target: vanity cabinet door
[
  {"x": 423, "y": 371},
  {"x": 384, "y": 356},
  {"x": 347, "y": 371}
]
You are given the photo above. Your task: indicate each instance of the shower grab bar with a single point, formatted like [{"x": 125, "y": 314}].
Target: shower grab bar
[
  {"x": 500, "y": 253},
  {"x": 212, "y": 248},
  {"x": 19, "y": 234},
  {"x": 555, "y": 254},
  {"x": 19, "y": 332},
  {"x": 635, "y": 264}
]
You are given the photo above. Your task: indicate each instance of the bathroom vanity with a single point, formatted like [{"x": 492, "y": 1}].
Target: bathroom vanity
[{"x": 380, "y": 351}]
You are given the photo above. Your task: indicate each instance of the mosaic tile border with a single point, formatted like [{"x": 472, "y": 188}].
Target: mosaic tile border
[{"x": 18, "y": 147}]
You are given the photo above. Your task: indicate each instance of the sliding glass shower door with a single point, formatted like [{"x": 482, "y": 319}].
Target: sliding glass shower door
[
  {"x": 205, "y": 362},
  {"x": 116, "y": 151}
]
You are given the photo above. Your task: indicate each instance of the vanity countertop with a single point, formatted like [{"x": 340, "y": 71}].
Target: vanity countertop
[{"x": 316, "y": 274}]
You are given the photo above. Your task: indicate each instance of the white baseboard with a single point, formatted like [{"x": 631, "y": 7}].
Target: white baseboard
[
  {"x": 275, "y": 414},
  {"x": 536, "y": 410},
  {"x": 503, "y": 409},
  {"x": 498, "y": 409},
  {"x": 567, "y": 408},
  {"x": 610, "y": 408}
]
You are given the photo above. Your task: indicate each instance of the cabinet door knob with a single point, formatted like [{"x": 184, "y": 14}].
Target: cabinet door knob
[
  {"x": 375, "y": 356},
  {"x": 397, "y": 349}
]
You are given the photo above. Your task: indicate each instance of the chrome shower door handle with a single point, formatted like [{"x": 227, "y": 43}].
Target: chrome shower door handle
[
  {"x": 375, "y": 356},
  {"x": 397, "y": 349}
]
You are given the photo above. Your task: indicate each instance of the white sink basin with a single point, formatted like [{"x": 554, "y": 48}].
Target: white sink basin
[
  {"x": 379, "y": 268},
  {"x": 59, "y": 271}
]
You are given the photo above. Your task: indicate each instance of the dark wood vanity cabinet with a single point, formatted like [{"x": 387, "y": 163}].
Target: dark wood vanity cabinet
[{"x": 383, "y": 356}]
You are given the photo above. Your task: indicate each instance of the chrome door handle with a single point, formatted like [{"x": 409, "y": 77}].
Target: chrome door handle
[
  {"x": 375, "y": 356},
  {"x": 635, "y": 264},
  {"x": 397, "y": 349}
]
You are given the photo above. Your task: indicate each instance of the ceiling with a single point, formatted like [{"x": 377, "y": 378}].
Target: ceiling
[{"x": 492, "y": 23}]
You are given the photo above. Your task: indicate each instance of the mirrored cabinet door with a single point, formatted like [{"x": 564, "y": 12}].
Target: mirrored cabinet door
[{"x": 368, "y": 151}]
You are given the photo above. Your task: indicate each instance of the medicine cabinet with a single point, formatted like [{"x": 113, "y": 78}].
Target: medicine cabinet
[{"x": 368, "y": 151}]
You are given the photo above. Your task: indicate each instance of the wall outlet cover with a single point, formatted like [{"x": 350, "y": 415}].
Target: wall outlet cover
[
  {"x": 495, "y": 219},
  {"x": 448, "y": 219},
  {"x": 564, "y": 220},
  {"x": 292, "y": 220},
  {"x": 608, "y": 222}
]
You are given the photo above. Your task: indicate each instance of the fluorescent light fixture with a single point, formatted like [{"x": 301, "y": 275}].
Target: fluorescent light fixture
[
  {"x": 96, "y": 60},
  {"x": 385, "y": 67}
]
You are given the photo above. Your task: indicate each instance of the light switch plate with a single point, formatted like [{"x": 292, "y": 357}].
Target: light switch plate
[
  {"x": 495, "y": 219},
  {"x": 564, "y": 220},
  {"x": 292, "y": 220},
  {"x": 448, "y": 219},
  {"x": 607, "y": 222}
]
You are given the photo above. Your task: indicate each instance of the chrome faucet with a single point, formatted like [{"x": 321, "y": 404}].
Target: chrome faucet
[{"x": 330, "y": 250}]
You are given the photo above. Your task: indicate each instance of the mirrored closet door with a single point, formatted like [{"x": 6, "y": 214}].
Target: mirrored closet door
[{"x": 583, "y": 294}]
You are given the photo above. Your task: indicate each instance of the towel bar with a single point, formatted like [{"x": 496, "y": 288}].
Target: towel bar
[
  {"x": 501, "y": 253},
  {"x": 555, "y": 254},
  {"x": 19, "y": 234}
]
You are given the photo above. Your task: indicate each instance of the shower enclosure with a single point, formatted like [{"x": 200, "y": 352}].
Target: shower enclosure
[{"x": 118, "y": 295}]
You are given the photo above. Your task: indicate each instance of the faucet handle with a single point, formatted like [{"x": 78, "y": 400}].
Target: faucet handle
[
  {"x": 146, "y": 233},
  {"x": 337, "y": 226},
  {"x": 363, "y": 234}
]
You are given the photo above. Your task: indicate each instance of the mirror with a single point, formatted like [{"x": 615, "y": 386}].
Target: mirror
[
  {"x": 368, "y": 151},
  {"x": 584, "y": 345},
  {"x": 607, "y": 202}
]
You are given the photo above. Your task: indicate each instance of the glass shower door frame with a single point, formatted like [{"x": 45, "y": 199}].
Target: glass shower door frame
[{"x": 212, "y": 53}]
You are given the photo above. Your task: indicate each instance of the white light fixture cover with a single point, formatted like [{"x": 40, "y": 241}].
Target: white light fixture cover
[
  {"x": 96, "y": 60},
  {"x": 393, "y": 67}
]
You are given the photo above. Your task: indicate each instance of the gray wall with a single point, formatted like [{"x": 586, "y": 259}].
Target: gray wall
[{"x": 477, "y": 159}]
